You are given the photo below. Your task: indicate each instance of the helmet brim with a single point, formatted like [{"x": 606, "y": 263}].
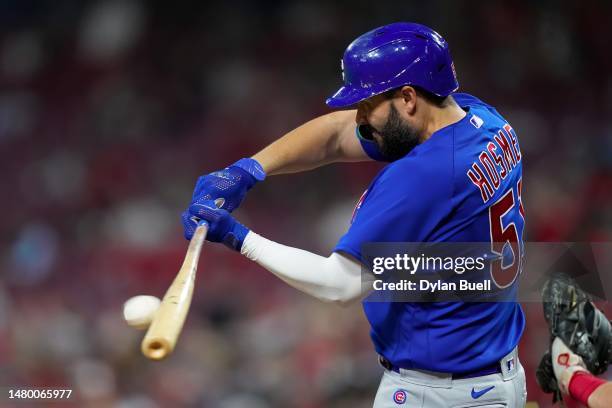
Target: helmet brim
[{"x": 346, "y": 96}]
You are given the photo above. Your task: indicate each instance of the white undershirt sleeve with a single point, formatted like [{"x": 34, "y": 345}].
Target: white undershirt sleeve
[{"x": 333, "y": 279}]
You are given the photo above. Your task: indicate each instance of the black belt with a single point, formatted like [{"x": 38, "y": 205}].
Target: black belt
[{"x": 488, "y": 370}]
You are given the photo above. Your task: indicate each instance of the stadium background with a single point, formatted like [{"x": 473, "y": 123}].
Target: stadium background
[{"x": 110, "y": 110}]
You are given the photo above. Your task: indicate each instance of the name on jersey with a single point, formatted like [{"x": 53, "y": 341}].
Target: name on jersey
[{"x": 495, "y": 163}]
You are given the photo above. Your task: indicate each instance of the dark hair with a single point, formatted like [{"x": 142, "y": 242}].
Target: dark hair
[{"x": 436, "y": 100}]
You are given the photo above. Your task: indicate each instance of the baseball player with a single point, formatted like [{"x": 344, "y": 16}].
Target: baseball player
[{"x": 454, "y": 175}]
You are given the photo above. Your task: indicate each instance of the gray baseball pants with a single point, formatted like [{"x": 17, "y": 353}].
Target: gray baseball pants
[{"x": 416, "y": 388}]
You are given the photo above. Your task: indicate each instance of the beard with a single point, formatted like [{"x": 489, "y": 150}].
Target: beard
[{"x": 398, "y": 137}]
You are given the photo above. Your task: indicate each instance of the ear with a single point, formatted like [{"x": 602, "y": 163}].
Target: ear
[{"x": 409, "y": 98}]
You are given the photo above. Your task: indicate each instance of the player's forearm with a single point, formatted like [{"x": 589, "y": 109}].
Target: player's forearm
[
  {"x": 326, "y": 139},
  {"x": 589, "y": 390},
  {"x": 333, "y": 279},
  {"x": 601, "y": 397}
]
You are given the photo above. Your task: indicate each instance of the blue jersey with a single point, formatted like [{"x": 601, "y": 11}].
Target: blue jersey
[{"x": 462, "y": 185}]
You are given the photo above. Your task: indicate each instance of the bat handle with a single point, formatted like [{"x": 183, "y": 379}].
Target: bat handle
[{"x": 199, "y": 235}]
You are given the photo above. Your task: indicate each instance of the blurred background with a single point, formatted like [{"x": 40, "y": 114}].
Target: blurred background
[{"x": 110, "y": 110}]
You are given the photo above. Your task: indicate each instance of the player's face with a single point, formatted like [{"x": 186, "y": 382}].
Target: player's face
[
  {"x": 393, "y": 134},
  {"x": 398, "y": 137}
]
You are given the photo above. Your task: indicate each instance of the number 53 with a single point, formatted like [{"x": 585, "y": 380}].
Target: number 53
[{"x": 506, "y": 238}]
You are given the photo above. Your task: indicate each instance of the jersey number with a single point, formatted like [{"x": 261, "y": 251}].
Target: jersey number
[{"x": 505, "y": 240}]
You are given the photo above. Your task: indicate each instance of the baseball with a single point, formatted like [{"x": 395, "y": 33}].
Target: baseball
[{"x": 138, "y": 311}]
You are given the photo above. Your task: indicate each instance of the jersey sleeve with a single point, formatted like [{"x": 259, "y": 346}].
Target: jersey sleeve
[{"x": 404, "y": 204}]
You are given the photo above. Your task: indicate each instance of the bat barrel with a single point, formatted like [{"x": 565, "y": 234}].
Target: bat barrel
[{"x": 167, "y": 324}]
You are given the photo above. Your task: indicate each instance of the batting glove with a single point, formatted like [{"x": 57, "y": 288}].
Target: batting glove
[
  {"x": 229, "y": 186},
  {"x": 222, "y": 226}
]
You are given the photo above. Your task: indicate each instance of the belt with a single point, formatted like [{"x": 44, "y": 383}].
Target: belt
[{"x": 494, "y": 368}]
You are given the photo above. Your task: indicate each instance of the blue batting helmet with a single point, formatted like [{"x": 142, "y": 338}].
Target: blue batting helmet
[{"x": 392, "y": 56}]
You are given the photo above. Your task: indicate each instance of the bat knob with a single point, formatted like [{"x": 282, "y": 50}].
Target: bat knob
[{"x": 156, "y": 348}]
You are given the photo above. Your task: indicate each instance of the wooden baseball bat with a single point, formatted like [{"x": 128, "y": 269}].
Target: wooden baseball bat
[{"x": 166, "y": 326}]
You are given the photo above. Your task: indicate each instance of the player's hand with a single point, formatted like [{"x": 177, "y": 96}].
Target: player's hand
[
  {"x": 229, "y": 186},
  {"x": 222, "y": 226},
  {"x": 565, "y": 363}
]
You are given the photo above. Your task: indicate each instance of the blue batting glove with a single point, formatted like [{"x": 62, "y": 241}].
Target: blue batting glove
[
  {"x": 222, "y": 226},
  {"x": 229, "y": 186}
]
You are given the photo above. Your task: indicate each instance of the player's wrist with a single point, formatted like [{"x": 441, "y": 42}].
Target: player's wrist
[
  {"x": 253, "y": 246},
  {"x": 582, "y": 384},
  {"x": 234, "y": 238},
  {"x": 251, "y": 169},
  {"x": 568, "y": 375}
]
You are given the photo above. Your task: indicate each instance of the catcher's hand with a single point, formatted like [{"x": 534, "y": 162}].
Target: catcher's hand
[{"x": 580, "y": 327}]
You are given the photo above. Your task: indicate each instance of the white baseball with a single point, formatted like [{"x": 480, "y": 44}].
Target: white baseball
[{"x": 139, "y": 311}]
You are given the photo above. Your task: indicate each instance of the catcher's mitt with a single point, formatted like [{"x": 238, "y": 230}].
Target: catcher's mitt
[
  {"x": 573, "y": 318},
  {"x": 545, "y": 376}
]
